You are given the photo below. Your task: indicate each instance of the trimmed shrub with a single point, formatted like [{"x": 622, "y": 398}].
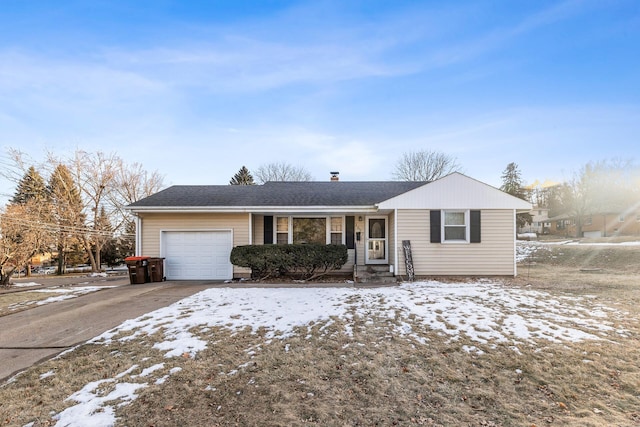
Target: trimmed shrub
[{"x": 309, "y": 261}]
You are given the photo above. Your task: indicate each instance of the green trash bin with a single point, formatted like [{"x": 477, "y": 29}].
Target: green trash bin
[
  {"x": 138, "y": 267},
  {"x": 156, "y": 269}
]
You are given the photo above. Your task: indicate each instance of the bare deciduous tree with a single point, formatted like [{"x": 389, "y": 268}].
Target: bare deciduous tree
[
  {"x": 24, "y": 235},
  {"x": 132, "y": 183},
  {"x": 425, "y": 165},
  {"x": 105, "y": 184},
  {"x": 94, "y": 174},
  {"x": 280, "y": 171},
  {"x": 600, "y": 187}
]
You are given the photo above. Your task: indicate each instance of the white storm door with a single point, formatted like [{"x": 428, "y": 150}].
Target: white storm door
[{"x": 377, "y": 251}]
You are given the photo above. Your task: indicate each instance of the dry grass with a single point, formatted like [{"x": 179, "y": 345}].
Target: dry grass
[
  {"x": 17, "y": 301},
  {"x": 371, "y": 378}
]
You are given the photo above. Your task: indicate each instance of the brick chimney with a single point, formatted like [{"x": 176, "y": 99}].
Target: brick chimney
[{"x": 334, "y": 176}]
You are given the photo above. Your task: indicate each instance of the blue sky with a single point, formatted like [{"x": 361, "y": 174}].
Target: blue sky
[{"x": 196, "y": 89}]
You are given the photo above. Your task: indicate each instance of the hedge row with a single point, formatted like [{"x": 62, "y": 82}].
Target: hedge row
[{"x": 308, "y": 261}]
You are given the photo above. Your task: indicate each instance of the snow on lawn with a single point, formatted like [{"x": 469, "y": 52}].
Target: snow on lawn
[
  {"x": 525, "y": 250},
  {"x": 485, "y": 312},
  {"x": 61, "y": 294},
  {"x": 26, "y": 284},
  {"x": 528, "y": 249}
]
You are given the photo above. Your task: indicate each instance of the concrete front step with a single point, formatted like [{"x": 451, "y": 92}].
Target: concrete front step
[
  {"x": 375, "y": 268},
  {"x": 376, "y": 274}
]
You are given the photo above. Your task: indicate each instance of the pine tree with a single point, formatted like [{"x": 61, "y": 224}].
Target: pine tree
[
  {"x": 512, "y": 184},
  {"x": 243, "y": 177},
  {"x": 30, "y": 187},
  {"x": 66, "y": 211},
  {"x": 512, "y": 181}
]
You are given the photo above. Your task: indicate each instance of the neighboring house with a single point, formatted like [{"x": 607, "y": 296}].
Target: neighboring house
[
  {"x": 540, "y": 223},
  {"x": 456, "y": 225},
  {"x": 625, "y": 223},
  {"x": 41, "y": 259},
  {"x": 612, "y": 224},
  {"x": 562, "y": 225}
]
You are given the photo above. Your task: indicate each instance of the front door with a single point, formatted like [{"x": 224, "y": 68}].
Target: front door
[{"x": 377, "y": 240}]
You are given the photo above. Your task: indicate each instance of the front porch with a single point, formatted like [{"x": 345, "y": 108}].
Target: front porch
[{"x": 369, "y": 237}]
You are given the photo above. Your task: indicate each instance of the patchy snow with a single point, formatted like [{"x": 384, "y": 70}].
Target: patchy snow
[
  {"x": 583, "y": 243},
  {"x": 98, "y": 275},
  {"x": 483, "y": 312},
  {"x": 26, "y": 285},
  {"x": 61, "y": 295},
  {"x": 579, "y": 243},
  {"x": 92, "y": 408},
  {"x": 525, "y": 250},
  {"x": 47, "y": 375}
]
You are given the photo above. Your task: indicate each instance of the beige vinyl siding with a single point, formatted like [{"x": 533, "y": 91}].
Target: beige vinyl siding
[
  {"x": 258, "y": 229},
  {"x": 493, "y": 256},
  {"x": 154, "y": 223},
  {"x": 360, "y": 246}
]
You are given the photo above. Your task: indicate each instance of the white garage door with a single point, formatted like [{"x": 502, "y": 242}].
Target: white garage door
[{"x": 197, "y": 255}]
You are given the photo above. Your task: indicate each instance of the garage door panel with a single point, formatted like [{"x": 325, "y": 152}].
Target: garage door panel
[{"x": 197, "y": 255}]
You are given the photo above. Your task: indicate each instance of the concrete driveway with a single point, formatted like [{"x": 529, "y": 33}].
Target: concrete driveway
[{"x": 30, "y": 336}]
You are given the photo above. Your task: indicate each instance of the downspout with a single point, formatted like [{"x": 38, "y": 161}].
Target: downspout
[
  {"x": 355, "y": 262},
  {"x": 515, "y": 248},
  {"x": 395, "y": 242},
  {"x": 138, "y": 237}
]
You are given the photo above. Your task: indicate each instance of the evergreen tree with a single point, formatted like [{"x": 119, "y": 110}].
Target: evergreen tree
[
  {"x": 31, "y": 187},
  {"x": 243, "y": 177},
  {"x": 66, "y": 212},
  {"x": 30, "y": 205},
  {"x": 512, "y": 181},
  {"x": 512, "y": 184}
]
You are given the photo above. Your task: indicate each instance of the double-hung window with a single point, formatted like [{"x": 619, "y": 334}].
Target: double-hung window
[
  {"x": 282, "y": 230},
  {"x": 336, "y": 230},
  {"x": 454, "y": 226}
]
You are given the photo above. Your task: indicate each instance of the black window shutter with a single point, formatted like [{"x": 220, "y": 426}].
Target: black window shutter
[
  {"x": 268, "y": 230},
  {"x": 474, "y": 234},
  {"x": 435, "y": 226},
  {"x": 350, "y": 228}
]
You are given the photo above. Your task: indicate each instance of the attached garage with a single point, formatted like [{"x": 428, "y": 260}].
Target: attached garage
[{"x": 197, "y": 255}]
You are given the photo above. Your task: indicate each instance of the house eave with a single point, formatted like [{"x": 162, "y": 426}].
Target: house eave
[{"x": 251, "y": 209}]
